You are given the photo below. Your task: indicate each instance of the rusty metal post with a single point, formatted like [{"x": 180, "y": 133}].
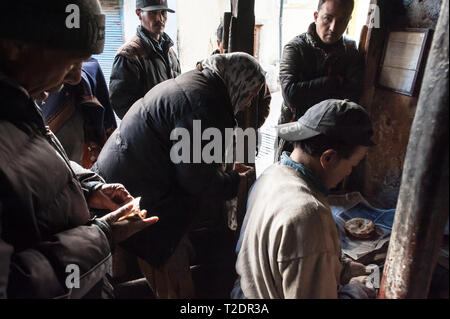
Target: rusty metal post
[{"x": 422, "y": 208}]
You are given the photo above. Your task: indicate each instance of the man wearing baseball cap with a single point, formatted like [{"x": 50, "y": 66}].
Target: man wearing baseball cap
[
  {"x": 50, "y": 245},
  {"x": 146, "y": 60},
  {"x": 289, "y": 244}
]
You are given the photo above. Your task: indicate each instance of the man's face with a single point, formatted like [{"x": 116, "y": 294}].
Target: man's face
[
  {"x": 153, "y": 21},
  {"x": 332, "y": 20},
  {"x": 42, "y": 71},
  {"x": 342, "y": 167}
]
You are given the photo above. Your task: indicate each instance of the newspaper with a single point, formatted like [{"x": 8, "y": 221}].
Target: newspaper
[{"x": 351, "y": 205}]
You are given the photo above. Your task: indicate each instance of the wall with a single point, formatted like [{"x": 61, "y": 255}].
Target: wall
[
  {"x": 392, "y": 115},
  {"x": 197, "y": 25}
]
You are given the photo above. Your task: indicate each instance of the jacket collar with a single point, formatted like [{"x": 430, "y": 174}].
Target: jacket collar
[
  {"x": 315, "y": 41},
  {"x": 306, "y": 172},
  {"x": 145, "y": 37}
]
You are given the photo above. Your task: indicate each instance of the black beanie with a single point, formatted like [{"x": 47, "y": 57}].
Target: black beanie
[{"x": 53, "y": 24}]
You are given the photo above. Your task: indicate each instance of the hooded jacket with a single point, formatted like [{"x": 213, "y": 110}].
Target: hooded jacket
[
  {"x": 140, "y": 153},
  {"x": 138, "y": 67}
]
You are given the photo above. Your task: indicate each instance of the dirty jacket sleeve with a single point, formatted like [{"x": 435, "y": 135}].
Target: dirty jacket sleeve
[
  {"x": 310, "y": 277},
  {"x": 89, "y": 180},
  {"x": 41, "y": 271},
  {"x": 126, "y": 86}
]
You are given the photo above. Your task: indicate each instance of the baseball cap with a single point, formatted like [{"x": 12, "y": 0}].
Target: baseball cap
[
  {"x": 153, "y": 5},
  {"x": 341, "y": 120}
]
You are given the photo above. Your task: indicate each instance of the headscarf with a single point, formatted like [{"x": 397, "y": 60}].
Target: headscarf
[{"x": 242, "y": 75}]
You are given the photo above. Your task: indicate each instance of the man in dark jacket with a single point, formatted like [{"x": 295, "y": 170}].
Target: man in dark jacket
[
  {"x": 321, "y": 64},
  {"x": 142, "y": 154},
  {"x": 146, "y": 60},
  {"x": 50, "y": 246}
]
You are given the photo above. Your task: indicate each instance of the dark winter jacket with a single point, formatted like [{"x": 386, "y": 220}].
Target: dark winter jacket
[
  {"x": 138, "y": 155},
  {"x": 138, "y": 67},
  {"x": 309, "y": 70},
  {"x": 44, "y": 219}
]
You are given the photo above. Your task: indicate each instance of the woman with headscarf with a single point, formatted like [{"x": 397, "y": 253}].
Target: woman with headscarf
[{"x": 138, "y": 155}]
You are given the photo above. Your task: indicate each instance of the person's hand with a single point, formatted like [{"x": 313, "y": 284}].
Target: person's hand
[
  {"x": 109, "y": 196},
  {"x": 353, "y": 269},
  {"x": 245, "y": 170},
  {"x": 125, "y": 228},
  {"x": 246, "y": 173},
  {"x": 363, "y": 283},
  {"x": 357, "y": 269}
]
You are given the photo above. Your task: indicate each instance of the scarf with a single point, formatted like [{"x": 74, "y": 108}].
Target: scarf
[{"x": 242, "y": 75}]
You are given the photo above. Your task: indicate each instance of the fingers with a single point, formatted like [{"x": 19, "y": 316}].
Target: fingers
[
  {"x": 117, "y": 192},
  {"x": 358, "y": 269},
  {"x": 244, "y": 169},
  {"x": 150, "y": 220},
  {"x": 108, "y": 201},
  {"x": 115, "y": 215}
]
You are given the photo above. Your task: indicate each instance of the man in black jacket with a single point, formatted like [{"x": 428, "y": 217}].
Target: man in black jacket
[
  {"x": 146, "y": 60},
  {"x": 143, "y": 155},
  {"x": 321, "y": 64},
  {"x": 50, "y": 246}
]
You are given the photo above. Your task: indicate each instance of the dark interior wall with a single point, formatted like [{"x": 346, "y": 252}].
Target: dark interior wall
[
  {"x": 422, "y": 13},
  {"x": 392, "y": 113}
]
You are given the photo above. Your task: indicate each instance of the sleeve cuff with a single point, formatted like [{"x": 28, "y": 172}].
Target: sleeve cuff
[{"x": 106, "y": 230}]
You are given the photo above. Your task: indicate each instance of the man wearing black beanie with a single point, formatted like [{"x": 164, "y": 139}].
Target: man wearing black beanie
[{"x": 50, "y": 245}]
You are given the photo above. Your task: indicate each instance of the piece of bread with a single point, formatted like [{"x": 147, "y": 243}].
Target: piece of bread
[
  {"x": 360, "y": 227},
  {"x": 136, "y": 211}
]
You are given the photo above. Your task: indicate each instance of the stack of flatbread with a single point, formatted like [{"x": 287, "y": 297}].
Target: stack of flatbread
[
  {"x": 360, "y": 227},
  {"x": 136, "y": 211}
]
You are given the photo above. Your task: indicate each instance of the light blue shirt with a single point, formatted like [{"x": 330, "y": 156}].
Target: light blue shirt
[{"x": 306, "y": 172}]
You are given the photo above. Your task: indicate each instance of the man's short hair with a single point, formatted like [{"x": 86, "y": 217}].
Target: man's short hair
[
  {"x": 219, "y": 32},
  {"x": 317, "y": 145},
  {"x": 347, "y": 3}
]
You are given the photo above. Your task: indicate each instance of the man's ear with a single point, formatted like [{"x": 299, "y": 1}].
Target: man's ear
[
  {"x": 138, "y": 13},
  {"x": 316, "y": 15},
  {"x": 328, "y": 158}
]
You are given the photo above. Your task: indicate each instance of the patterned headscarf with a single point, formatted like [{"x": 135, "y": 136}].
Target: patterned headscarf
[{"x": 242, "y": 75}]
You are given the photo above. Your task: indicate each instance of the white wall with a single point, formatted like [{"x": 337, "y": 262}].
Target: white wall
[
  {"x": 197, "y": 25},
  {"x": 267, "y": 13}
]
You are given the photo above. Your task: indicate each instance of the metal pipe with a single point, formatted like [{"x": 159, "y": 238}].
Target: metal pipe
[{"x": 422, "y": 209}]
